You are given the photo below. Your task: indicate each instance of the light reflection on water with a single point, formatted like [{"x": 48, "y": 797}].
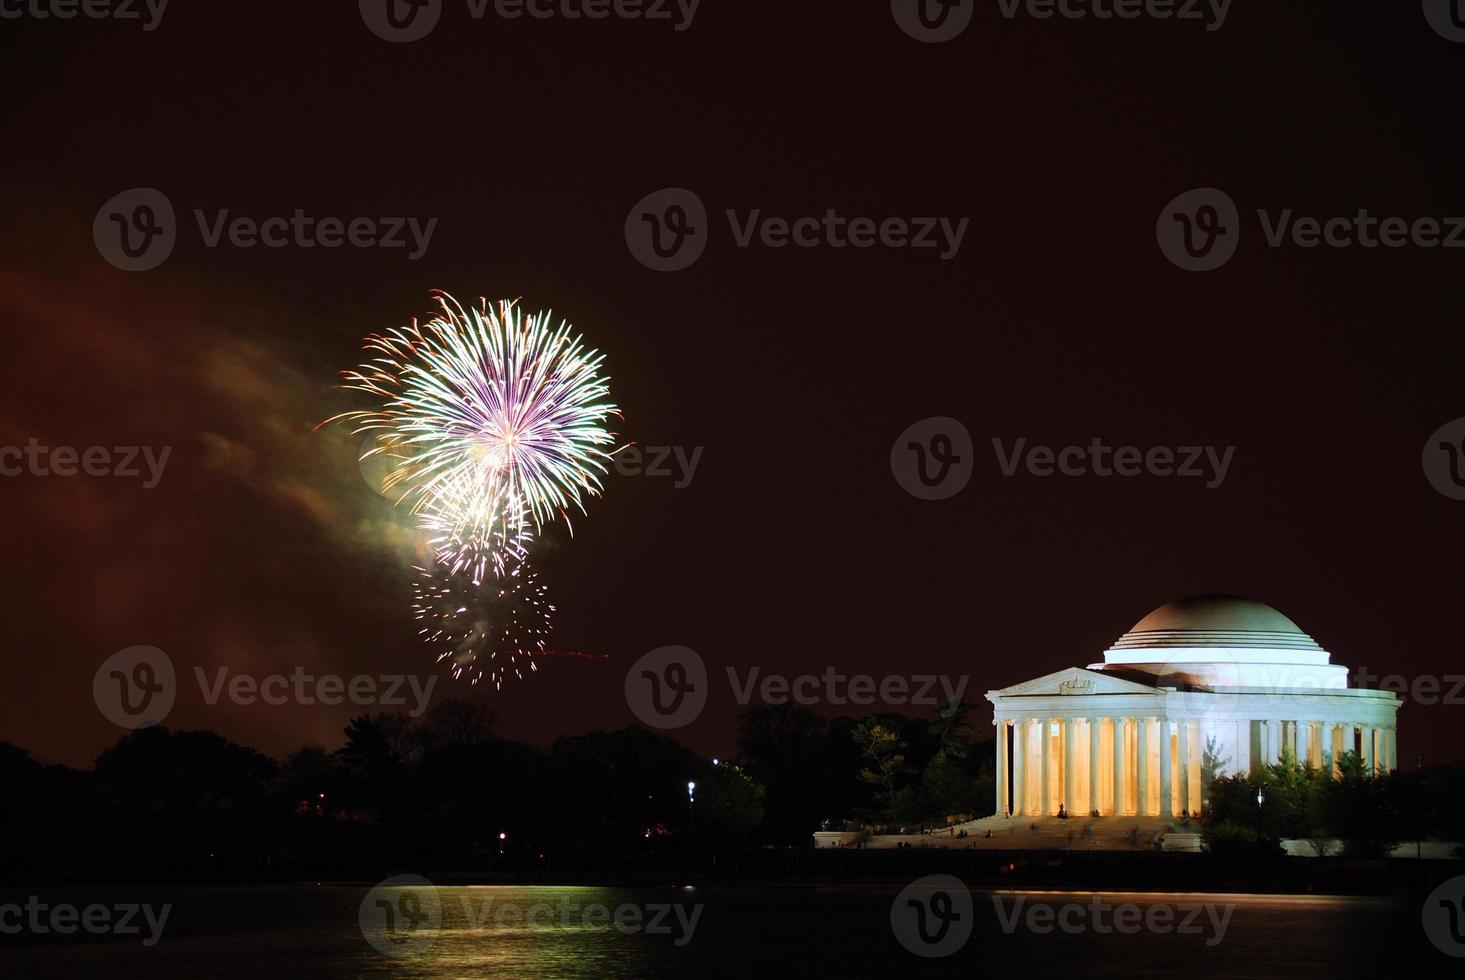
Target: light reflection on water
[{"x": 560, "y": 931}]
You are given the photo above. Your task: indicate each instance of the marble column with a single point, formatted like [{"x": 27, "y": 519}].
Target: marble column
[
  {"x": 1241, "y": 759},
  {"x": 1183, "y": 757},
  {"x": 1119, "y": 774},
  {"x": 1094, "y": 724},
  {"x": 1001, "y": 810},
  {"x": 1019, "y": 748},
  {"x": 1045, "y": 744},
  {"x": 1368, "y": 755},
  {"x": 1070, "y": 764},
  {"x": 1274, "y": 741},
  {"x": 1297, "y": 747},
  {"x": 1335, "y": 734},
  {"x": 1167, "y": 803},
  {"x": 1142, "y": 766}
]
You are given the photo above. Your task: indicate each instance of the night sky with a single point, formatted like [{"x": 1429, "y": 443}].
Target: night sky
[{"x": 793, "y": 548}]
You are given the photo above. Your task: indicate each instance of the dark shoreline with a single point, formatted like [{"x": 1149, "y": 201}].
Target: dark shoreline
[{"x": 1074, "y": 871}]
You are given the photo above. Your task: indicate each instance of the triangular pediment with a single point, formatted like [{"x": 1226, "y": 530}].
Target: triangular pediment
[{"x": 1074, "y": 681}]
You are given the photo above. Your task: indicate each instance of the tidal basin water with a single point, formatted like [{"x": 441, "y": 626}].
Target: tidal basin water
[{"x": 321, "y": 931}]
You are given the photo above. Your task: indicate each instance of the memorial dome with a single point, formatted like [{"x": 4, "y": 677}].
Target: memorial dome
[{"x": 1215, "y": 621}]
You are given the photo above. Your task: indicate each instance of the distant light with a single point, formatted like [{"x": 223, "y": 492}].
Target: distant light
[
  {"x": 503, "y": 836},
  {"x": 714, "y": 760}
]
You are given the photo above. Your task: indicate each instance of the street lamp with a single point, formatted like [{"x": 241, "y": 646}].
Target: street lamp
[
  {"x": 691, "y": 798},
  {"x": 1261, "y": 797}
]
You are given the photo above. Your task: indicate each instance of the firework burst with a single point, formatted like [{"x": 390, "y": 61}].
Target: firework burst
[
  {"x": 490, "y": 628},
  {"x": 493, "y": 419}
]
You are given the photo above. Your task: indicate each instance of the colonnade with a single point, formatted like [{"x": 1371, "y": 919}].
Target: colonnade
[{"x": 1152, "y": 766}]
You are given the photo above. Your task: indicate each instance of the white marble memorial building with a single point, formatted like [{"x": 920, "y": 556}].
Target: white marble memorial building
[{"x": 1130, "y": 735}]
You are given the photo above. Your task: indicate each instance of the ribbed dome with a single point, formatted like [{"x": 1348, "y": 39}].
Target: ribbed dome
[{"x": 1215, "y": 621}]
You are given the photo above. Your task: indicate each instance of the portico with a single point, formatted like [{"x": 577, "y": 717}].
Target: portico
[{"x": 1213, "y": 684}]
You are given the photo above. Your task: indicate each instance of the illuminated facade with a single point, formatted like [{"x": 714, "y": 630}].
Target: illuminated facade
[{"x": 1209, "y": 683}]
